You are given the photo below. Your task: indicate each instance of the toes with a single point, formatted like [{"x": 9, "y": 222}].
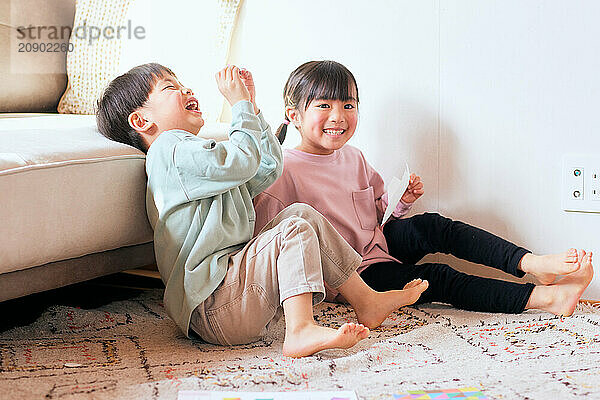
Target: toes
[
  {"x": 364, "y": 333},
  {"x": 361, "y": 330},
  {"x": 571, "y": 255},
  {"x": 355, "y": 328},
  {"x": 352, "y": 329},
  {"x": 417, "y": 290},
  {"x": 346, "y": 328},
  {"x": 412, "y": 283}
]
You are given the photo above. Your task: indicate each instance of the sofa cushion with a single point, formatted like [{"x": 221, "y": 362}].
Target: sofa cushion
[
  {"x": 66, "y": 191},
  {"x": 33, "y": 80}
]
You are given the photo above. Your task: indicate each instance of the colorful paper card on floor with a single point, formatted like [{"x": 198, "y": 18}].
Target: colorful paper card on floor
[
  {"x": 214, "y": 395},
  {"x": 467, "y": 393}
]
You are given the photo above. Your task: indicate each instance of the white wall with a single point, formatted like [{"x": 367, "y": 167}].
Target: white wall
[{"x": 481, "y": 98}]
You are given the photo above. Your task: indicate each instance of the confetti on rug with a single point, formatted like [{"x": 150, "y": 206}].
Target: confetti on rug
[{"x": 130, "y": 349}]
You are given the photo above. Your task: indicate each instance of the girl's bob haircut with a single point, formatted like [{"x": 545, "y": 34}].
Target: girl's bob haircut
[{"x": 316, "y": 80}]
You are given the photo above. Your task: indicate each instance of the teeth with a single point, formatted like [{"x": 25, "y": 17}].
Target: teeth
[{"x": 333, "y": 132}]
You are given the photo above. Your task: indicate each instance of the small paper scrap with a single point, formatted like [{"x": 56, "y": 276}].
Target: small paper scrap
[
  {"x": 396, "y": 189},
  {"x": 216, "y": 395},
  {"x": 467, "y": 393}
]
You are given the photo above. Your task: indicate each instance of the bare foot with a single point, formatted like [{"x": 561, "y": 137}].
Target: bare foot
[
  {"x": 545, "y": 268},
  {"x": 385, "y": 303},
  {"x": 561, "y": 298},
  {"x": 312, "y": 338}
]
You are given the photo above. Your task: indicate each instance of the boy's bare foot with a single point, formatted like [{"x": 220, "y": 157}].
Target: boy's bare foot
[
  {"x": 384, "y": 303},
  {"x": 561, "y": 298},
  {"x": 545, "y": 268},
  {"x": 311, "y": 338}
]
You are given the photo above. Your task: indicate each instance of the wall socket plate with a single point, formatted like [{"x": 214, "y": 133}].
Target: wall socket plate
[
  {"x": 595, "y": 184},
  {"x": 581, "y": 183}
]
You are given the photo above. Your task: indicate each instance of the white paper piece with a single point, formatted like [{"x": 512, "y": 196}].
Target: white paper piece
[
  {"x": 396, "y": 189},
  {"x": 214, "y": 395}
]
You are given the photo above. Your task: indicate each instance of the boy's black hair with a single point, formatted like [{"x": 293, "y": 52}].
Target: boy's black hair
[
  {"x": 315, "y": 80},
  {"x": 125, "y": 94}
]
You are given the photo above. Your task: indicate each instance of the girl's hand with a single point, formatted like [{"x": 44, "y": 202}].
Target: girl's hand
[
  {"x": 231, "y": 86},
  {"x": 414, "y": 189},
  {"x": 246, "y": 77}
]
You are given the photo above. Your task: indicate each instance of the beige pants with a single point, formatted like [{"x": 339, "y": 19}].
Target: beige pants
[{"x": 293, "y": 254}]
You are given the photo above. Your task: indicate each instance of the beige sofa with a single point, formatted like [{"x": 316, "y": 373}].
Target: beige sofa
[{"x": 72, "y": 203}]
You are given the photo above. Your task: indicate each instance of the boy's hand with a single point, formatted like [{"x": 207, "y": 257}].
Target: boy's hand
[
  {"x": 414, "y": 189},
  {"x": 231, "y": 86},
  {"x": 246, "y": 77}
]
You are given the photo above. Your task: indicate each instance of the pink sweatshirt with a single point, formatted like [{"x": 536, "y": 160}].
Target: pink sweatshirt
[{"x": 344, "y": 188}]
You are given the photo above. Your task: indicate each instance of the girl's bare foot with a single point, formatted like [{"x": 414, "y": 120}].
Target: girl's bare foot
[
  {"x": 545, "y": 268},
  {"x": 384, "y": 303},
  {"x": 561, "y": 298},
  {"x": 311, "y": 338}
]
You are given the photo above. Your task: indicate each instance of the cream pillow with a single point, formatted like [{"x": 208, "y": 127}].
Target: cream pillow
[
  {"x": 92, "y": 64},
  {"x": 191, "y": 38}
]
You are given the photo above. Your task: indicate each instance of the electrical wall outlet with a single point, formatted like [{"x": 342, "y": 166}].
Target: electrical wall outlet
[
  {"x": 575, "y": 178},
  {"x": 595, "y": 184},
  {"x": 581, "y": 183}
]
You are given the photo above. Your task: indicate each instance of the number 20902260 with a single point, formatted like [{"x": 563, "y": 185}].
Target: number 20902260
[{"x": 45, "y": 47}]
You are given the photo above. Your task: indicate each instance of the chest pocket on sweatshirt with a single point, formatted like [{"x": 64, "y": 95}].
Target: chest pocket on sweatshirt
[{"x": 364, "y": 206}]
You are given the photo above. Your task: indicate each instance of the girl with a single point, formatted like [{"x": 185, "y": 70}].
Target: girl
[{"x": 321, "y": 100}]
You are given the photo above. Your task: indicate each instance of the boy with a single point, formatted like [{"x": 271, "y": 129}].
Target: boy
[{"x": 220, "y": 284}]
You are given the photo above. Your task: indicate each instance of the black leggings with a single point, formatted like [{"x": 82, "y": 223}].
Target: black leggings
[{"x": 410, "y": 239}]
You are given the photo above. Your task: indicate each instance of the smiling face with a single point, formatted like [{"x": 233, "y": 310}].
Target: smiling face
[
  {"x": 172, "y": 106},
  {"x": 326, "y": 125}
]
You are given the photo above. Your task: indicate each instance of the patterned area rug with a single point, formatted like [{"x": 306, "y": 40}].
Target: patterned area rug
[{"x": 129, "y": 349}]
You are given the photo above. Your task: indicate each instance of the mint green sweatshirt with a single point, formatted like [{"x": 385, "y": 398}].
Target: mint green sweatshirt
[{"x": 199, "y": 203}]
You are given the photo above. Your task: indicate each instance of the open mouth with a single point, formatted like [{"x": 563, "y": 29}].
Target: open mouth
[
  {"x": 192, "y": 105},
  {"x": 334, "y": 132}
]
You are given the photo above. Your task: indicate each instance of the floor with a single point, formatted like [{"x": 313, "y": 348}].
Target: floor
[
  {"x": 121, "y": 344},
  {"x": 87, "y": 295}
]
